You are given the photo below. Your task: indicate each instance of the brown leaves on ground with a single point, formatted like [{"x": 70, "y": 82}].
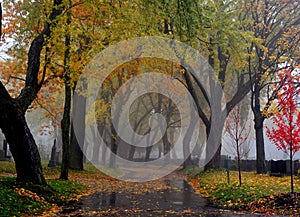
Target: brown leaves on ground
[
  {"x": 27, "y": 193},
  {"x": 282, "y": 204},
  {"x": 102, "y": 183}
]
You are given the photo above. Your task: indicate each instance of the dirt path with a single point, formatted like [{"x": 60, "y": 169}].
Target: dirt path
[{"x": 168, "y": 196}]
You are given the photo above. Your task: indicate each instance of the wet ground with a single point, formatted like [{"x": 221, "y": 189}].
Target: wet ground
[{"x": 169, "y": 196}]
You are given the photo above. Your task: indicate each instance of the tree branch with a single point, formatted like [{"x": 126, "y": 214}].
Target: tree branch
[{"x": 32, "y": 86}]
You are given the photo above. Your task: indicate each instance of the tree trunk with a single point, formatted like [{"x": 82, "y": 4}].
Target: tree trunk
[
  {"x": 78, "y": 128},
  {"x": 113, "y": 147},
  {"x": 131, "y": 152},
  {"x": 21, "y": 142},
  {"x": 113, "y": 155},
  {"x": 187, "y": 156},
  {"x": 103, "y": 152},
  {"x": 239, "y": 161},
  {"x": 65, "y": 128},
  {"x": 167, "y": 146},
  {"x": 76, "y": 154},
  {"x": 215, "y": 162},
  {"x": 214, "y": 130},
  {"x": 12, "y": 120},
  {"x": 260, "y": 146},
  {"x": 259, "y": 132},
  {"x": 96, "y": 144},
  {"x": 291, "y": 169},
  {"x": 52, "y": 162},
  {"x": 148, "y": 153},
  {"x": 65, "y": 123},
  {"x": 186, "y": 143}
]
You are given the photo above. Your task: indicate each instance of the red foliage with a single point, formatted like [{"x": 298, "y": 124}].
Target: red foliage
[{"x": 286, "y": 133}]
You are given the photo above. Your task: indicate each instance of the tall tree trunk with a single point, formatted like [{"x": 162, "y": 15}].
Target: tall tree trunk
[
  {"x": 21, "y": 142},
  {"x": 131, "y": 152},
  {"x": 148, "y": 152},
  {"x": 291, "y": 114},
  {"x": 96, "y": 144},
  {"x": 260, "y": 146},
  {"x": 186, "y": 142},
  {"x": 167, "y": 146},
  {"x": 65, "y": 128},
  {"x": 291, "y": 167},
  {"x": 65, "y": 123},
  {"x": 259, "y": 133},
  {"x": 113, "y": 147},
  {"x": 150, "y": 146},
  {"x": 238, "y": 158},
  {"x": 214, "y": 162},
  {"x": 76, "y": 153},
  {"x": 214, "y": 129},
  {"x": 113, "y": 155},
  {"x": 78, "y": 134},
  {"x": 103, "y": 152}
]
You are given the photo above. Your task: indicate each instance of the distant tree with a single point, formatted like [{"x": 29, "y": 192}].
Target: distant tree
[
  {"x": 286, "y": 133},
  {"x": 215, "y": 28},
  {"x": 238, "y": 132}
]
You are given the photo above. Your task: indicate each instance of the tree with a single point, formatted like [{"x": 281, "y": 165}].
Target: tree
[
  {"x": 140, "y": 111},
  {"x": 286, "y": 133},
  {"x": 12, "y": 110},
  {"x": 237, "y": 131},
  {"x": 275, "y": 24},
  {"x": 92, "y": 26},
  {"x": 65, "y": 122},
  {"x": 216, "y": 26}
]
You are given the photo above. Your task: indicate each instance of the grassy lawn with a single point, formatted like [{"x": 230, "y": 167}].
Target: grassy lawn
[
  {"x": 30, "y": 200},
  {"x": 18, "y": 200},
  {"x": 256, "y": 190}
]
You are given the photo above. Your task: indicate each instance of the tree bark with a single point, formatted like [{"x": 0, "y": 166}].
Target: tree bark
[
  {"x": 96, "y": 144},
  {"x": 238, "y": 158},
  {"x": 131, "y": 152},
  {"x": 65, "y": 123},
  {"x": 260, "y": 145},
  {"x": 78, "y": 134},
  {"x": 65, "y": 128},
  {"x": 259, "y": 131},
  {"x": 291, "y": 168},
  {"x": 214, "y": 163},
  {"x": 148, "y": 153},
  {"x": 76, "y": 153},
  {"x": 22, "y": 144},
  {"x": 186, "y": 143},
  {"x": 12, "y": 119},
  {"x": 167, "y": 146},
  {"x": 113, "y": 147}
]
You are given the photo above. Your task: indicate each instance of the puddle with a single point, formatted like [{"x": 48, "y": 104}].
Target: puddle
[{"x": 181, "y": 194}]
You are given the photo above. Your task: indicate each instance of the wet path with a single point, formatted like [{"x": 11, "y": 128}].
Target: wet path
[
  {"x": 178, "y": 196},
  {"x": 170, "y": 196}
]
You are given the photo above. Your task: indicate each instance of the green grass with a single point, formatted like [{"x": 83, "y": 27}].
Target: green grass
[
  {"x": 7, "y": 167},
  {"x": 18, "y": 200},
  {"x": 214, "y": 185}
]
